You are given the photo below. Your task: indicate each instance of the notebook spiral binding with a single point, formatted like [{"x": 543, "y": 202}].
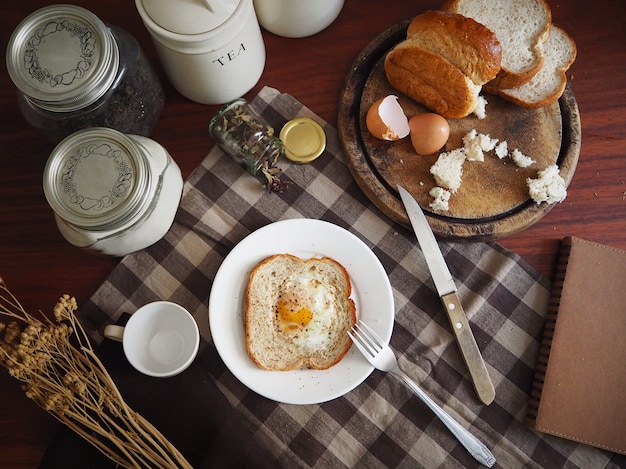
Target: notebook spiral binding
[{"x": 548, "y": 332}]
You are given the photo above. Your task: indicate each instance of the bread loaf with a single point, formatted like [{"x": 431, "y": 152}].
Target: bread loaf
[
  {"x": 443, "y": 62},
  {"x": 298, "y": 313},
  {"x": 549, "y": 82},
  {"x": 431, "y": 80},
  {"x": 468, "y": 45},
  {"x": 521, "y": 26}
]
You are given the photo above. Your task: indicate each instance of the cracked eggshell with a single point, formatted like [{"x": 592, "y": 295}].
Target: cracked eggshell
[{"x": 386, "y": 120}]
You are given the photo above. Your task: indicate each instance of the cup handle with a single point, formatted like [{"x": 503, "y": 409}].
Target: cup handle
[{"x": 114, "y": 332}]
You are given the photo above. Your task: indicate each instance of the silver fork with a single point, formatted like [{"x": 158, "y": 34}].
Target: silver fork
[{"x": 382, "y": 358}]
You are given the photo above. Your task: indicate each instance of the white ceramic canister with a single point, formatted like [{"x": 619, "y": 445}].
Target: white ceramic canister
[
  {"x": 212, "y": 50},
  {"x": 112, "y": 193},
  {"x": 297, "y": 18}
]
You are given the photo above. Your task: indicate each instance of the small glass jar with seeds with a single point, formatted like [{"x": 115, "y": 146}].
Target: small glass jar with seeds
[{"x": 250, "y": 141}]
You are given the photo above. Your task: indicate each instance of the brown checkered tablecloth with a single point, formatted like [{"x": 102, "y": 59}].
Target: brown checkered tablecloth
[{"x": 380, "y": 423}]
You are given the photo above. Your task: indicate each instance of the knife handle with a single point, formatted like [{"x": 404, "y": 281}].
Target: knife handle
[{"x": 469, "y": 348}]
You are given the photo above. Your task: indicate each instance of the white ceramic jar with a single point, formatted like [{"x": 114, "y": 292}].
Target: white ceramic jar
[
  {"x": 112, "y": 193},
  {"x": 297, "y": 18},
  {"x": 212, "y": 50}
]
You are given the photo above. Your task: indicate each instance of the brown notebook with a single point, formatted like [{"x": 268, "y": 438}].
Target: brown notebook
[{"x": 579, "y": 390}]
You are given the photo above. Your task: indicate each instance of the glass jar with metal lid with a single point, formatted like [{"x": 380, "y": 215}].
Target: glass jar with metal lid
[
  {"x": 112, "y": 193},
  {"x": 250, "y": 141},
  {"x": 74, "y": 72}
]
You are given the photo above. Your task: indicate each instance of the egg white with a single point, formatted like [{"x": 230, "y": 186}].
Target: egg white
[{"x": 304, "y": 290}]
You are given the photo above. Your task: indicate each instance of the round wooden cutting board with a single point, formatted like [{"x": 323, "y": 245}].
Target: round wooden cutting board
[{"x": 493, "y": 200}]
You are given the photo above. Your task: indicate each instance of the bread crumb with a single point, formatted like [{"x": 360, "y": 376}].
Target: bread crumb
[
  {"x": 441, "y": 197},
  {"x": 502, "y": 149},
  {"x": 472, "y": 148},
  {"x": 480, "y": 110},
  {"x": 486, "y": 142},
  {"x": 448, "y": 169},
  {"x": 520, "y": 159},
  {"x": 476, "y": 145},
  {"x": 548, "y": 187}
]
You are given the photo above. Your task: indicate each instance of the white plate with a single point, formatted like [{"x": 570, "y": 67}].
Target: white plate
[{"x": 305, "y": 238}]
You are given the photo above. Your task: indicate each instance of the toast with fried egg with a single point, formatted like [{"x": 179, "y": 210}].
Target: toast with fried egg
[{"x": 298, "y": 313}]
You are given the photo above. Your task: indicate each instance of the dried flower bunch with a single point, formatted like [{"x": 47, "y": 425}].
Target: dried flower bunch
[{"x": 63, "y": 375}]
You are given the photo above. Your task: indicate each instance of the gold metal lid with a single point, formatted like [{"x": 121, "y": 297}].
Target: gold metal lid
[{"x": 304, "y": 139}]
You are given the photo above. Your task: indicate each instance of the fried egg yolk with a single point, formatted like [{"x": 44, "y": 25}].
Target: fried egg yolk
[
  {"x": 304, "y": 311},
  {"x": 292, "y": 314}
]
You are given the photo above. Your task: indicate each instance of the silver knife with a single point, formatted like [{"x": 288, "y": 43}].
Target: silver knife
[{"x": 446, "y": 288}]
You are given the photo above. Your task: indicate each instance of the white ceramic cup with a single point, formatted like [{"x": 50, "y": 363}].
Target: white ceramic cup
[
  {"x": 160, "y": 339},
  {"x": 297, "y": 18}
]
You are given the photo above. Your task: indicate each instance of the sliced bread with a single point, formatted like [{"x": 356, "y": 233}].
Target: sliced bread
[
  {"x": 521, "y": 26},
  {"x": 549, "y": 82},
  {"x": 298, "y": 313},
  {"x": 465, "y": 43}
]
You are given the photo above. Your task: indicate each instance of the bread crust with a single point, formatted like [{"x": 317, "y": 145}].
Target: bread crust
[
  {"x": 508, "y": 77},
  {"x": 551, "y": 79},
  {"x": 431, "y": 80},
  {"x": 266, "y": 345},
  {"x": 464, "y": 42}
]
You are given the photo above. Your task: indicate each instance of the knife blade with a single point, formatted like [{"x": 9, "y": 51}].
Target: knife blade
[{"x": 446, "y": 288}]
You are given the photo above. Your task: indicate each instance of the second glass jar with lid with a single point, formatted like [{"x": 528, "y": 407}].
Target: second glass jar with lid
[
  {"x": 72, "y": 72},
  {"x": 112, "y": 193}
]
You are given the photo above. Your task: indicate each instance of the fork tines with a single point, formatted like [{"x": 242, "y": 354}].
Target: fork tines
[{"x": 366, "y": 339}]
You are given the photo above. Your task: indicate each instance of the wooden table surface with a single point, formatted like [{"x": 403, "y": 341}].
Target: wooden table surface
[{"x": 38, "y": 265}]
